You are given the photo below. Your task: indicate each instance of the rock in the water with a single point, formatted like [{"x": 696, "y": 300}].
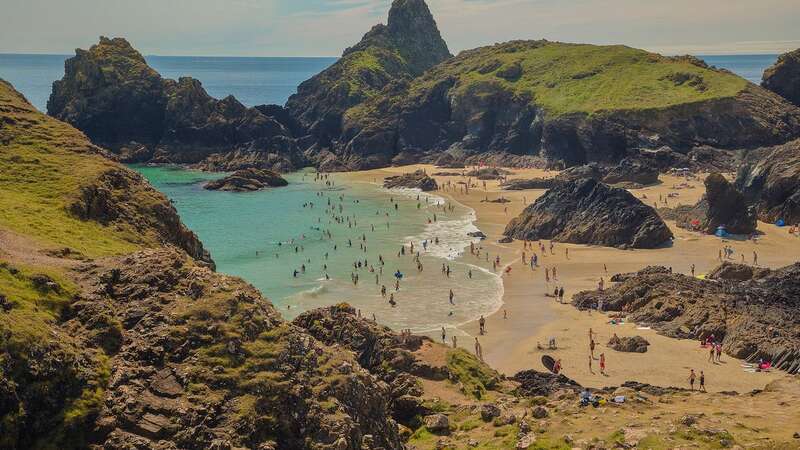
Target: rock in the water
[
  {"x": 721, "y": 206},
  {"x": 769, "y": 178},
  {"x": 783, "y": 77},
  {"x": 415, "y": 180},
  {"x": 630, "y": 344},
  {"x": 588, "y": 212},
  {"x": 247, "y": 180},
  {"x": 755, "y": 319},
  {"x": 632, "y": 170}
]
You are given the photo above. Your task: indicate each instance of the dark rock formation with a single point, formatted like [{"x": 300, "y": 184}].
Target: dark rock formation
[
  {"x": 631, "y": 170},
  {"x": 405, "y": 47},
  {"x": 736, "y": 272},
  {"x": 591, "y": 170},
  {"x": 588, "y": 212},
  {"x": 247, "y": 180},
  {"x": 534, "y": 383},
  {"x": 521, "y": 184},
  {"x": 783, "y": 77},
  {"x": 649, "y": 270},
  {"x": 415, "y": 180},
  {"x": 488, "y": 173},
  {"x": 630, "y": 344},
  {"x": 770, "y": 179},
  {"x": 721, "y": 205},
  {"x": 111, "y": 94},
  {"x": 755, "y": 319}
]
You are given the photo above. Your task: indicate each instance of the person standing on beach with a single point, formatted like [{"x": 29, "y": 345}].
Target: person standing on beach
[
  {"x": 444, "y": 336},
  {"x": 692, "y": 269},
  {"x": 603, "y": 363},
  {"x": 561, "y": 294},
  {"x": 455, "y": 341},
  {"x": 590, "y": 365},
  {"x": 702, "y": 381},
  {"x": 451, "y": 297},
  {"x": 692, "y": 377},
  {"x": 478, "y": 349},
  {"x": 591, "y": 348},
  {"x": 482, "y": 325}
]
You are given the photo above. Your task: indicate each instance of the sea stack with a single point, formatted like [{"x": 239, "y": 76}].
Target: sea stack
[
  {"x": 247, "y": 180},
  {"x": 589, "y": 212}
]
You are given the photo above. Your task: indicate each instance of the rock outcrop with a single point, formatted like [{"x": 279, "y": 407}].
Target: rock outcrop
[
  {"x": 506, "y": 98},
  {"x": 629, "y": 344},
  {"x": 589, "y": 212},
  {"x": 110, "y": 93},
  {"x": 247, "y": 180},
  {"x": 783, "y": 77},
  {"x": 521, "y": 184},
  {"x": 769, "y": 178},
  {"x": 414, "y": 180},
  {"x": 634, "y": 171},
  {"x": 404, "y": 48},
  {"x": 721, "y": 206},
  {"x": 754, "y": 319}
]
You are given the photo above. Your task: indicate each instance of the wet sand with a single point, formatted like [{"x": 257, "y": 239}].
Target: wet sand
[{"x": 510, "y": 344}]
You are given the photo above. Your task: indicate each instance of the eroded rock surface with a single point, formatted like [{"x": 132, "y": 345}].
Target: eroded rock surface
[
  {"x": 247, "y": 180},
  {"x": 769, "y": 178},
  {"x": 414, "y": 180},
  {"x": 783, "y": 77}
]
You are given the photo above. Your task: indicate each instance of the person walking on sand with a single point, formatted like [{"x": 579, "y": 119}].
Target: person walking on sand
[
  {"x": 482, "y": 325},
  {"x": 692, "y": 377},
  {"x": 561, "y": 294},
  {"x": 755, "y": 258},
  {"x": 591, "y": 348},
  {"x": 591, "y": 371},
  {"x": 702, "y": 381},
  {"x": 444, "y": 336},
  {"x": 455, "y": 341},
  {"x": 478, "y": 349},
  {"x": 602, "y": 363},
  {"x": 718, "y": 350}
]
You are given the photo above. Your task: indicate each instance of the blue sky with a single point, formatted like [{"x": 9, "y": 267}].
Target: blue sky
[{"x": 326, "y": 27}]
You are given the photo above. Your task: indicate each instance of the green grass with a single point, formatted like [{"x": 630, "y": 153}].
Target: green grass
[
  {"x": 567, "y": 78},
  {"x": 475, "y": 376},
  {"x": 43, "y": 164}
]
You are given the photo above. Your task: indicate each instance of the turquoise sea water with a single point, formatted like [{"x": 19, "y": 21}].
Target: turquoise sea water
[{"x": 265, "y": 236}]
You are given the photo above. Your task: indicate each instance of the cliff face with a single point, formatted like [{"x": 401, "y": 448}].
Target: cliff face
[
  {"x": 111, "y": 94},
  {"x": 770, "y": 180},
  {"x": 783, "y": 77},
  {"x": 405, "y": 47},
  {"x": 568, "y": 103}
]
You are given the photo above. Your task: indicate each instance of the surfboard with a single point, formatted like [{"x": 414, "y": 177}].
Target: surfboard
[{"x": 549, "y": 362}]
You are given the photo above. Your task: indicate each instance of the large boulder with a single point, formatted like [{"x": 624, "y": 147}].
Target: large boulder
[
  {"x": 783, "y": 77},
  {"x": 247, "y": 180},
  {"x": 414, "y": 180},
  {"x": 769, "y": 178},
  {"x": 629, "y": 344},
  {"x": 721, "y": 206},
  {"x": 589, "y": 212},
  {"x": 632, "y": 170}
]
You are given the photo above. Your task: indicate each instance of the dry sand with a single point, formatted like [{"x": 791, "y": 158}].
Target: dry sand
[{"x": 510, "y": 344}]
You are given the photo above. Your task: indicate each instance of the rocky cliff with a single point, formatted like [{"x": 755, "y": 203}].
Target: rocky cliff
[
  {"x": 404, "y": 48},
  {"x": 770, "y": 180},
  {"x": 111, "y": 94},
  {"x": 783, "y": 77},
  {"x": 586, "y": 211},
  {"x": 567, "y": 103},
  {"x": 755, "y": 318},
  {"x": 721, "y": 205}
]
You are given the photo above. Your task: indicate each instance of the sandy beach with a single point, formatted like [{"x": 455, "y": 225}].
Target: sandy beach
[{"x": 528, "y": 316}]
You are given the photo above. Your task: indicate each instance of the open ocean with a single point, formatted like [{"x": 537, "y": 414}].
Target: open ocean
[{"x": 254, "y": 235}]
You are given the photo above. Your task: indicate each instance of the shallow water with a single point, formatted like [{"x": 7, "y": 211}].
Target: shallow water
[{"x": 265, "y": 236}]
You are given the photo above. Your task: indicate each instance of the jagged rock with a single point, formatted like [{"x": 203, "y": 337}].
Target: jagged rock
[
  {"x": 769, "y": 178},
  {"x": 783, "y": 77},
  {"x": 721, "y": 205},
  {"x": 415, "y": 180},
  {"x": 489, "y": 411},
  {"x": 649, "y": 270},
  {"x": 736, "y": 272},
  {"x": 111, "y": 94},
  {"x": 247, "y": 180},
  {"x": 630, "y": 344},
  {"x": 477, "y": 234},
  {"x": 632, "y": 170},
  {"x": 405, "y": 47},
  {"x": 588, "y": 212},
  {"x": 754, "y": 319},
  {"x": 437, "y": 423},
  {"x": 592, "y": 170},
  {"x": 534, "y": 383},
  {"x": 488, "y": 173}
]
